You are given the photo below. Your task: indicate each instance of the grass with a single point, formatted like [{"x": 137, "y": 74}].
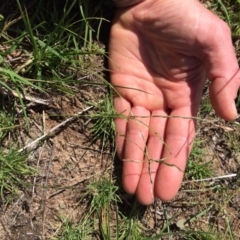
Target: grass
[
  {"x": 103, "y": 122},
  {"x": 52, "y": 50},
  {"x": 52, "y": 58},
  {"x": 80, "y": 232},
  {"x": 197, "y": 167},
  {"x": 14, "y": 169}
]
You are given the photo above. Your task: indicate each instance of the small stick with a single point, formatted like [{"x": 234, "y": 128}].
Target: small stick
[
  {"x": 54, "y": 129},
  {"x": 212, "y": 179},
  {"x": 13, "y": 93}
]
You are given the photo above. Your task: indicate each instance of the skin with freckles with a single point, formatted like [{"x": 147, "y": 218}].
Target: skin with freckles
[{"x": 160, "y": 53}]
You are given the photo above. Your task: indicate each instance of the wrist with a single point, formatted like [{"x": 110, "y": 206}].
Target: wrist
[{"x": 126, "y": 3}]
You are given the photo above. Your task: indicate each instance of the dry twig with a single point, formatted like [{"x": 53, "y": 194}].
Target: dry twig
[
  {"x": 53, "y": 130},
  {"x": 13, "y": 93},
  {"x": 212, "y": 179}
]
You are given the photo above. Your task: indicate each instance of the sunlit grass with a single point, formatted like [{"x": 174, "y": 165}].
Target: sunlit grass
[{"x": 49, "y": 50}]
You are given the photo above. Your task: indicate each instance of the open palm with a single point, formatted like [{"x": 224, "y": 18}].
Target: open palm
[{"x": 160, "y": 52}]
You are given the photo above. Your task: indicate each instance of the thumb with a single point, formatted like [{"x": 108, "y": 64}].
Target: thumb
[
  {"x": 223, "y": 71},
  {"x": 223, "y": 91}
]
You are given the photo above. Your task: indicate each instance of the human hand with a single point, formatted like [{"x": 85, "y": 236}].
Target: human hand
[{"x": 160, "y": 52}]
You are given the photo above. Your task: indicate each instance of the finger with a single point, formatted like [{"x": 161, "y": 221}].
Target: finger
[
  {"x": 135, "y": 144},
  {"x": 223, "y": 71},
  {"x": 179, "y": 133},
  {"x": 123, "y": 108},
  {"x": 145, "y": 192}
]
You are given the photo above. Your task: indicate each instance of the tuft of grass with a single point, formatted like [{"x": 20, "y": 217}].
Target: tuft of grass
[
  {"x": 6, "y": 124},
  {"x": 103, "y": 194},
  {"x": 81, "y": 231},
  {"x": 103, "y": 122},
  {"x": 197, "y": 168},
  {"x": 14, "y": 168}
]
